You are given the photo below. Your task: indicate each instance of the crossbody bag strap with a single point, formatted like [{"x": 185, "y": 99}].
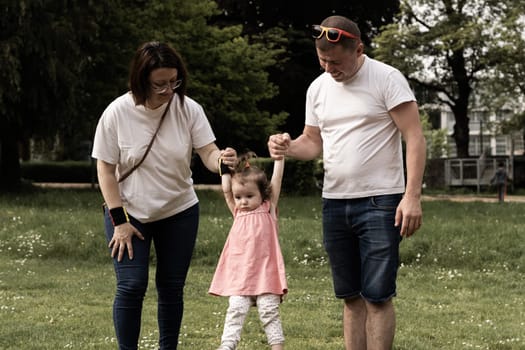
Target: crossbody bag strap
[{"x": 125, "y": 175}]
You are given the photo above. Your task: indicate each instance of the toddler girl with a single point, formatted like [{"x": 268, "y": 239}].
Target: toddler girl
[{"x": 251, "y": 267}]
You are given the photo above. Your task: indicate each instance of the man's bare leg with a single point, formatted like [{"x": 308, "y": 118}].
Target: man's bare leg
[
  {"x": 380, "y": 325},
  {"x": 354, "y": 324},
  {"x": 368, "y": 325}
]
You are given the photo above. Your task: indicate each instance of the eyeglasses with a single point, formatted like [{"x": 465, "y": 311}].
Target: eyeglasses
[
  {"x": 333, "y": 35},
  {"x": 160, "y": 89}
]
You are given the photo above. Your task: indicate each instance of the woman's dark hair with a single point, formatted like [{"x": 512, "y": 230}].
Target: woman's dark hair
[
  {"x": 345, "y": 24},
  {"x": 148, "y": 57},
  {"x": 245, "y": 172}
]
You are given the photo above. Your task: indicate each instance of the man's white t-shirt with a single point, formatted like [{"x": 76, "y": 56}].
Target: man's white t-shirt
[
  {"x": 162, "y": 185},
  {"x": 362, "y": 150}
]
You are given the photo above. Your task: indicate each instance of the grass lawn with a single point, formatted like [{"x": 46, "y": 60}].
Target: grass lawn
[{"x": 460, "y": 285}]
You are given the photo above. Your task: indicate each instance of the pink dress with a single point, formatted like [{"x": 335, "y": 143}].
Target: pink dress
[{"x": 251, "y": 261}]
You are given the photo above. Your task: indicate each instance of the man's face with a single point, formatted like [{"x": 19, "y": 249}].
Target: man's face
[{"x": 341, "y": 63}]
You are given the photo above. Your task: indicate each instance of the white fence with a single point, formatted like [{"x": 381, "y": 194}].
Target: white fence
[{"x": 473, "y": 172}]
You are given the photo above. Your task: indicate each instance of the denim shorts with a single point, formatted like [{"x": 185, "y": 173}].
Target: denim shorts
[{"x": 362, "y": 244}]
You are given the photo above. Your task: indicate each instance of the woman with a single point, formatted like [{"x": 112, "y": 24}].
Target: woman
[{"x": 143, "y": 145}]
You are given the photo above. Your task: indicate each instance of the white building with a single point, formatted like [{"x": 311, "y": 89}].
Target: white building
[{"x": 483, "y": 134}]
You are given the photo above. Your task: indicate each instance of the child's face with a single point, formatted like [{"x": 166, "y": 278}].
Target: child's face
[{"x": 247, "y": 196}]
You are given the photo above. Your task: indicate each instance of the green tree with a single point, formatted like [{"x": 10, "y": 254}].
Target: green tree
[
  {"x": 447, "y": 46},
  {"x": 505, "y": 86},
  {"x": 40, "y": 62},
  {"x": 294, "y": 18},
  {"x": 65, "y": 61},
  {"x": 52, "y": 78},
  {"x": 436, "y": 138},
  {"x": 509, "y": 78},
  {"x": 228, "y": 71}
]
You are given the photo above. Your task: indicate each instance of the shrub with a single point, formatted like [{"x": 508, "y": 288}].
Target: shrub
[
  {"x": 300, "y": 177},
  {"x": 52, "y": 171}
]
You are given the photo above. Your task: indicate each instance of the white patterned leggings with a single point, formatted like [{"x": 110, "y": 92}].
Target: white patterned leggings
[{"x": 268, "y": 307}]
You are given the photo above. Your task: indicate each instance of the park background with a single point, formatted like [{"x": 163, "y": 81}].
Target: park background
[{"x": 250, "y": 63}]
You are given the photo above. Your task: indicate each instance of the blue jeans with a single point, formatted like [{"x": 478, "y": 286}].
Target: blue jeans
[
  {"x": 362, "y": 244},
  {"x": 174, "y": 240}
]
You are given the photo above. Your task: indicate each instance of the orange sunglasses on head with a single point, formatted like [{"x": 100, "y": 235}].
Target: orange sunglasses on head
[{"x": 333, "y": 35}]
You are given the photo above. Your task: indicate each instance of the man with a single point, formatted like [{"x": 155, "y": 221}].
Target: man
[{"x": 356, "y": 113}]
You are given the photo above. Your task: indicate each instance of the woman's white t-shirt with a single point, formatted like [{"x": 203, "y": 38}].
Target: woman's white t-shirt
[
  {"x": 362, "y": 150},
  {"x": 162, "y": 185}
]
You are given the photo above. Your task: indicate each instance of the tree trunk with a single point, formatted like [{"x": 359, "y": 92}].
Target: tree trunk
[
  {"x": 461, "y": 127},
  {"x": 461, "y": 136},
  {"x": 9, "y": 161}
]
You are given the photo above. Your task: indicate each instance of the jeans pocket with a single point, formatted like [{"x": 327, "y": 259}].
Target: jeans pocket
[{"x": 386, "y": 202}]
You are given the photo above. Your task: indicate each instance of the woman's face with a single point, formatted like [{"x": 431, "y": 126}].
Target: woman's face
[{"x": 163, "y": 82}]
